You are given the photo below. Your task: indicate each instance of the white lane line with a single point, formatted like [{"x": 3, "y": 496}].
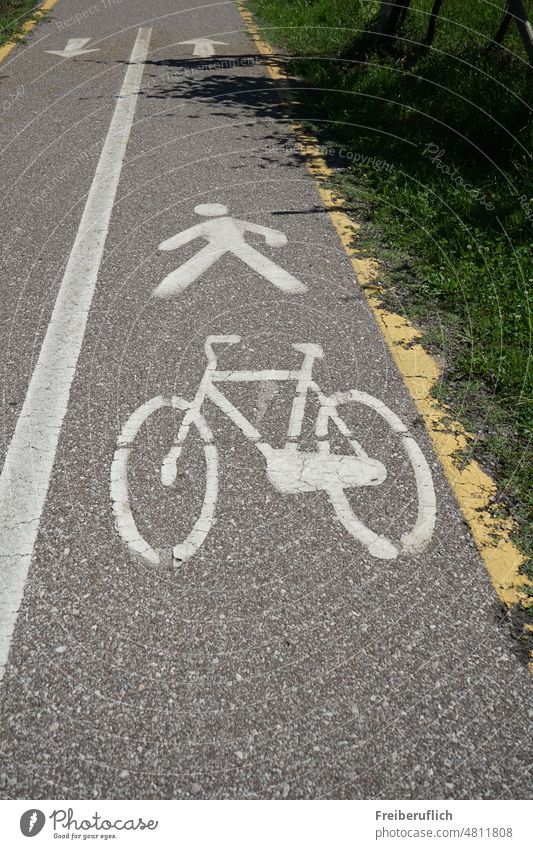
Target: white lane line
[{"x": 30, "y": 457}]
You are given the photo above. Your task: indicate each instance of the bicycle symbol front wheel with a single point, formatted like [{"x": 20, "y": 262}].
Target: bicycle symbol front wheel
[{"x": 120, "y": 490}]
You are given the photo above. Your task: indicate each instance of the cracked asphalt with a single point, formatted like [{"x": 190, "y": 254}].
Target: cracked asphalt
[{"x": 282, "y": 659}]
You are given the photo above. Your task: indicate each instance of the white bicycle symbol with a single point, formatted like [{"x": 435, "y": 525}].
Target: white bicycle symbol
[{"x": 289, "y": 469}]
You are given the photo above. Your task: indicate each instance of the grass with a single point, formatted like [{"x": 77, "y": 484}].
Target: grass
[
  {"x": 13, "y": 14},
  {"x": 452, "y": 214}
]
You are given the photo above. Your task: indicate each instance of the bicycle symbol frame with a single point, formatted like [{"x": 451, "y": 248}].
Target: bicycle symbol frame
[{"x": 290, "y": 470}]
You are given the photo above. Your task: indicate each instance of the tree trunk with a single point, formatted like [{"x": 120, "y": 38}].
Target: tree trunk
[
  {"x": 516, "y": 7},
  {"x": 504, "y": 26},
  {"x": 432, "y": 28},
  {"x": 391, "y": 14}
]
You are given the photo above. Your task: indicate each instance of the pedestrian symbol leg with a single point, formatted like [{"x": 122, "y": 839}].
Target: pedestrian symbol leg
[
  {"x": 179, "y": 279},
  {"x": 268, "y": 269}
]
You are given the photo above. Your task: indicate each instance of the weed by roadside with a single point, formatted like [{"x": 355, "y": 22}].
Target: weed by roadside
[{"x": 13, "y": 14}]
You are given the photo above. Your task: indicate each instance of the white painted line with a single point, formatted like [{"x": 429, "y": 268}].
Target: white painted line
[
  {"x": 74, "y": 47},
  {"x": 30, "y": 457},
  {"x": 203, "y": 46}
]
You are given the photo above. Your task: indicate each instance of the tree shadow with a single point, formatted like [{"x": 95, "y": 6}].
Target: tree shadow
[
  {"x": 240, "y": 86},
  {"x": 225, "y": 81}
]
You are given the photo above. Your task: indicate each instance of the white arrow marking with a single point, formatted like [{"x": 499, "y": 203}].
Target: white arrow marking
[
  {"x": 75, "y": 47},
  {"x": 204, "y": 46},
  {"x": 30, "y": 457}
]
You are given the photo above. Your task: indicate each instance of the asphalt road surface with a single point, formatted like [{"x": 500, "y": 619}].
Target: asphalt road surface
[{"x": 231, "y": 564}]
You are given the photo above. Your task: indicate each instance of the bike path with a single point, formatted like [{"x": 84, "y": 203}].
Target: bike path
[{"x": 282, "y": 659}]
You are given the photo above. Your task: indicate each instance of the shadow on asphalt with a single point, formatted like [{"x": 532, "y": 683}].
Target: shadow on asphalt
[{"x": 231, "y": 83}]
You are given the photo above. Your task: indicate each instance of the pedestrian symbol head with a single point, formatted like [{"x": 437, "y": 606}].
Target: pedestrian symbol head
[
  {"x": 211, "y": 209},
  {"x": 32, "y": 822}
]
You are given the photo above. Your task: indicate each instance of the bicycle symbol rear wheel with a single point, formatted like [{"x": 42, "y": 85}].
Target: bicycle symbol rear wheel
[{"x": 417, "y": 538}]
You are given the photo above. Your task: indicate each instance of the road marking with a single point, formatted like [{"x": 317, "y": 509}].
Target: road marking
[
  {"x": 473, "y": 488},
  {"x": 204, "y": 46},
  {"x": 6, "y": 49},
  {"x": 120, "y": 497},
  {"x": 224, "y": 235},
  {"x": 290, "y": 469},
  {"x": 74, "y": 47},
  {"x": 30, "y": 457}
]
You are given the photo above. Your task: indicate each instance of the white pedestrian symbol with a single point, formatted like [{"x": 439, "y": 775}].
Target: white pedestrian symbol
[{"x": 224, "y": 234}]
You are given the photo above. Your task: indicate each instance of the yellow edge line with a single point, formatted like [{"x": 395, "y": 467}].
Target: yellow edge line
[
  {"x": 473, "y": 488},
  {"x": 6, "y": 49}
]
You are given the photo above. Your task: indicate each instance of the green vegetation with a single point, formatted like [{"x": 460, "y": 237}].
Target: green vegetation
[
  {"x": 452, "y": 214},
  {"x": 13, "y": 14}
]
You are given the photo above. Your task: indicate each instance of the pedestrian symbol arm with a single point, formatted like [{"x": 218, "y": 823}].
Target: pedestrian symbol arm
[
  {"x": 274, "y": 238},
  {"x": 184, "y": 238}
]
